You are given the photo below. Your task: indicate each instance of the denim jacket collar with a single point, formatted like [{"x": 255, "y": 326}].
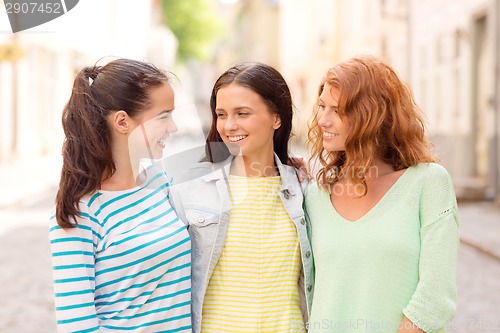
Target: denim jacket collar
[{"x": 221, "y": 170}]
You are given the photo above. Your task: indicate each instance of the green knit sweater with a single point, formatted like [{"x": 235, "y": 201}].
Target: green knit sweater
[{"x": 398, "y": 259}]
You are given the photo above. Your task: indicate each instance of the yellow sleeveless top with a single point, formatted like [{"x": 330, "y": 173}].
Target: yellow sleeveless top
[{"x": 254, "y": 285}]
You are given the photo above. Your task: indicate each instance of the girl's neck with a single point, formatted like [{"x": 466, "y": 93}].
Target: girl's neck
[
  {"x": 125, "y": 176},
  {"x": 254, "y": 167},
  {"x": 378, "y": 169}
]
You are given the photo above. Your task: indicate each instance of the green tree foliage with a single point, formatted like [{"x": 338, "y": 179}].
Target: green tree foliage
[{"x": 195, "y": 25}]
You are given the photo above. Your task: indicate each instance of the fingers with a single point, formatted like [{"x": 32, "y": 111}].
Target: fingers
[{"x": 300, "y": 163}]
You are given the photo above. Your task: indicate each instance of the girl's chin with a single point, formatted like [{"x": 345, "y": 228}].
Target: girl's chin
[
  {"x": 156, "y": 153},
  {"x": 234, "y": 149},
  {"x": 332, "y": 149}
]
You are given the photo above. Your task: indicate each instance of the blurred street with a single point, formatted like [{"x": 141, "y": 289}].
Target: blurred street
[{"x": 26, "y": 286}]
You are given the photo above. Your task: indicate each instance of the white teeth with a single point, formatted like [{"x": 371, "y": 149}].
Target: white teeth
[
  {"x": 237, "y": 138},
  {"x": 330, "y": 135}
]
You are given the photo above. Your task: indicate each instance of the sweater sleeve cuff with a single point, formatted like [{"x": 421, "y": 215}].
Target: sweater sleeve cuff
[
  {"x": 426, "y": 326},
  {"x": 433, "y": 303}
]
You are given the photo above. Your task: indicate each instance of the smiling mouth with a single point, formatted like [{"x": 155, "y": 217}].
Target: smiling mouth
[
  {"x": 161, "y": 142},
  {"x": 330, "y": 135},
  {"x": 237, "y": 138}
]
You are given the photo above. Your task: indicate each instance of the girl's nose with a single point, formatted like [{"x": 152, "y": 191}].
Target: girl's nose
[
  {"x": 231, "y": 124},
  {"x": 324, "y": 121},
  {"x": 172, "y": 126}
]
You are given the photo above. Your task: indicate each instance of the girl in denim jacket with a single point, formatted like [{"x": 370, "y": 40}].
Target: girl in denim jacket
[{"x": 252, "y": 261}]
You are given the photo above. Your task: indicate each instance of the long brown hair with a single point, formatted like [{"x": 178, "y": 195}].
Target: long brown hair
[
  {"x": 122, "y": 84},
  {"x": 383, "y": 120},
  {"x": 272, "y": 87}
]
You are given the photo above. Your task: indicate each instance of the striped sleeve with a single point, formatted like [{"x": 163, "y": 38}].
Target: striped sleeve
[{"x": 74, "y": 275}]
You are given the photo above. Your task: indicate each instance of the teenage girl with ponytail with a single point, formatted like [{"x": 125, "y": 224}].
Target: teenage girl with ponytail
[{"x": 121, "y": 257}]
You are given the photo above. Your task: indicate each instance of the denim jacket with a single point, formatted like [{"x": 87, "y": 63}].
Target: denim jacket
[{"x": 202, "y": 202}]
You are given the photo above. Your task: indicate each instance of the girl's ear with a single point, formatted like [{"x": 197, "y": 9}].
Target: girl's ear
[
  {"x": 277, "y": 121},
  {"x": 120, "y": 122}
]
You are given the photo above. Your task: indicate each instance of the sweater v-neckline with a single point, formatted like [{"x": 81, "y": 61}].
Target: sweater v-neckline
[{"x": 375, "y": 207}]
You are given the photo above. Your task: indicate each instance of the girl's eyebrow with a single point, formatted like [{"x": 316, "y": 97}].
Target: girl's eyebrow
[
  {"x": 243, "y": 107},
  {"x": 165, "y": 111},
  {"x": 238, "y": 108}
]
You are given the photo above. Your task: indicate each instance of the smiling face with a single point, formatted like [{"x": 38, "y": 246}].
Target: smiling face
[
  {"x": 154, "y": 125},
  {"x": 333, "y": 128},
  {"x": 245, "y": 122}
]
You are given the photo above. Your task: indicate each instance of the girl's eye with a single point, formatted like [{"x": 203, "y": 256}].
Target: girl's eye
[
  {"x": 321, "y": 106},
  {"x": 220, "y": 115},
  {"x": 243, "y": 114},
  {"x": 165, "y": 115}
]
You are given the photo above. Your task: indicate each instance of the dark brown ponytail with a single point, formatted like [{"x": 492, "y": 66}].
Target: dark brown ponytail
[{"x": 122, "y": 84}]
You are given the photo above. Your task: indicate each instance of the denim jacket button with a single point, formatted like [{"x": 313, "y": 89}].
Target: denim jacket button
[
  {"x": 308, "y": 254},
  {"x": 201, "y": 219},
  {"x": 286, "y": 195},
  {"x": 309, "y": 288},
  {"x": 303, "y": 221}
]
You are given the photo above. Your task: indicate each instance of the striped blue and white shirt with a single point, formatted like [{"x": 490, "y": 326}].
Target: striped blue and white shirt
[{"x": 126, "y": 267}]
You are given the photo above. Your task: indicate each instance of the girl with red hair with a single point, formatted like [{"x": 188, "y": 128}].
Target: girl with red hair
[{"x": 383, "y": 214}]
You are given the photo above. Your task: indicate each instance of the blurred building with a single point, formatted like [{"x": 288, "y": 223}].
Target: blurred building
[
  {"x": 309, "y": 45},
  {"x": 317, "y": 34},
  {"x": 35, "y": 85},
  {"x": 447, "y": 50},
  {"x": 454, "y": 72},
  {"x": 303, "y": 39},
  {"x": 252, "y": 32}
]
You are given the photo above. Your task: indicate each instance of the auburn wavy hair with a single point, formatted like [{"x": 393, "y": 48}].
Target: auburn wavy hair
[{"x": 383, "y": 121}]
